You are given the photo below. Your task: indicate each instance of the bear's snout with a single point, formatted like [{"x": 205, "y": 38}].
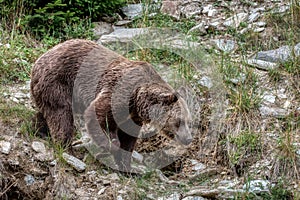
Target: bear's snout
[
  {"x": 184, "y": 135},
  {"x": 185, "y": 141}
]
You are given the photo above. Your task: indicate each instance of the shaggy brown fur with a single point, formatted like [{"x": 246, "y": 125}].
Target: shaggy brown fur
[{"x": 81, "y": 76}]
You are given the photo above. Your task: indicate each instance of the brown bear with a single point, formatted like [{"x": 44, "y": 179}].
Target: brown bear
[{"x": 115, "y": 95}]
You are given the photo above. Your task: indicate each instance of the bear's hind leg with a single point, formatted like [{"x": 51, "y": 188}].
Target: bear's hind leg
[
  {"x": 61, "y": 125},
  {"x": 39, "y": 125}
]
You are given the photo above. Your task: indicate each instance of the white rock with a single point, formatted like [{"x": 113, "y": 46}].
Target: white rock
[
  {"x": 259, "y": 30},
  {"x": 269, "y": 98},
  {"x": 260, "y": 24},
  {"x": 287, "y": 104},
  {"x": 137, "y": 156},
  {"x": 39, "y": 147},
  {"x": 29, "y": 179},
  {"x": 133, "y": 10},
  {"x": 74, "y": 162},
  {"x": 206, "y": 82},
  {"x": 113, "y": 177},
  {"x": 211, "y": 13},
  {"x": 123, "y": 35},
  {"x": 119, "y": 197},
  {"x": 194, "y": 198},
  {"x": 257, "y": 186},
  {"x": 53, "y": 163},
  {"x": 253, "y": 17},
  {"x": 14, "y": 99},
  {"x": 101, "y": 191},
  {"x": 225, "y": 45},
  {"x": 206, "y": 9},
  {"x": 5, "y": 147},
  {"x": 281, "y": 9},
  {"x": 260, "y": 9},
  {"x": 174, "y": 196},
  {"x": 262, "y": 64},
  {"x": 270, "y": 111},
  {"x": 199, "y": 167},
  {"x": 199, "y": 29},
  {"x": 240, "y": 79},
  {"x": 235, "y": 20},
  {"x": 102, "y": 28},
  {"x": 215, "y": 24}
]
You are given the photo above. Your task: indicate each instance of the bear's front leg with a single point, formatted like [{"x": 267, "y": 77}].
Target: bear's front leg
[
  {"x": 39, "y": 125},
  {"x": 61, "y": 124},
  {"x": 123, "y": 156},
  {"x": 100, "y": 126}
]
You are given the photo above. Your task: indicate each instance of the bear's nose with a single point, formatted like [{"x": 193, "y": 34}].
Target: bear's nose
[{"x": 188, "y": 141}]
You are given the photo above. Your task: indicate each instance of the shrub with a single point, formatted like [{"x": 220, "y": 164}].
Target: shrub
[{"x": 55, "y": 17}]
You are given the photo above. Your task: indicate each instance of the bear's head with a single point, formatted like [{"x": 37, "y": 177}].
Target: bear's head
[{"x": 163, "y": 107}]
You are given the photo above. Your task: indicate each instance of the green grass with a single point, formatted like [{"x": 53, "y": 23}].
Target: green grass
[
  {"x": 17, "y": 54},
  {"x": 276, "y": 192},
  {"x": 245, "y": 144},
  {"x": 164, "y": 21}
]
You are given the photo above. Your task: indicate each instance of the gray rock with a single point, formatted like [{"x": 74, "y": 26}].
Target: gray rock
[
  {"x": 20, "y": 95},
  {"x": 113, "y": 177},
  {"x": 119, "y": 197},
  {"x": 177, "y": 43},
  {"x": 259, "y": 30},
  {"x": 5, "y": 147},
  {"x": 194, "y": 198},
  {"x": 260, "y": 24},
  {"x": 270, "y": 98},
  {"x": 171, "y": 8},
  {"x": 29, "y": 179},
  {"x": 298, "y": 151},
  {"x": 261, "y": 64},
  {"x": 53, "y": 163},
  {"x": 102, "y": 28},
  {"x": 211, "y": 13},
  {"x": 39, "y": 147},
  {"x": 14, "y": 99},
  {"x": 259, "y": 9},
  {"x": 122, "y": 35},
  {"x": 123, "y": 22},
  {"x": 281, "y": 9},
  {"x": 207, "y": 8},
  {"x": 225, "y": 45},
  {"x": 198, "y": 29},
  {"x": 257, "y": 186},
  {"x": 197, "y": 166},
  {"x": 191, "y": 8},
  {"x": 281, "y": 54},
  {"x": 74, "y": 162},
  {"x": 228, "y": 184},
  {"x": 137, "y": 156},
  {"x": 272, "y": 111},
  {"x": 208, "y": 192},
  {"x": 240, "y": 79},
  {"x": 174, "y": 196},
  {"x": 235, "y": 20},
  {"x": 206, "y": 82},
  {"x": 133, "y": 10},
  {"x": 297, "y": 49},
  {"x": 253, "y": 17}
]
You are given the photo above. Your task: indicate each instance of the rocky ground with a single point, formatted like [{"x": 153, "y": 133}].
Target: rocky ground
[{"x": 253, "y": 154}]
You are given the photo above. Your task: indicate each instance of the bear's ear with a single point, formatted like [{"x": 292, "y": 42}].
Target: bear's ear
[{"x": 168, "y": 98}]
